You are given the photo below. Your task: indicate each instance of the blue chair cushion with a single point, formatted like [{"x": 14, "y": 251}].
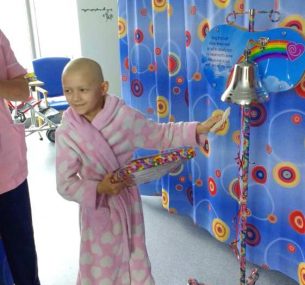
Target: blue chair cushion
[
  {"x": 59, "y": 103},
  {"x": 49, "y": 71}
]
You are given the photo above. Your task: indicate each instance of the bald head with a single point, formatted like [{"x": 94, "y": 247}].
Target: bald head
[
  {"x": 86, "y": 67},
  {"x": 84, "y": 87}
]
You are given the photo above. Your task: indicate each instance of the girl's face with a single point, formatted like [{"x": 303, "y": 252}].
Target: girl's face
[{"x": 84, "y": 93}]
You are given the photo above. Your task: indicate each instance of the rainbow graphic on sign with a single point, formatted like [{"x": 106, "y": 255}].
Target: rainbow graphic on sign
[{"x": 276, "y": 49}]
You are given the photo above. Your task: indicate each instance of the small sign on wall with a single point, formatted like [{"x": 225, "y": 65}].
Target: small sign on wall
[{"x": 105, "y": 12}]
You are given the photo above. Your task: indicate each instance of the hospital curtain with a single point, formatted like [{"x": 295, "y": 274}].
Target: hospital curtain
[{"x": 161, "y": 52}]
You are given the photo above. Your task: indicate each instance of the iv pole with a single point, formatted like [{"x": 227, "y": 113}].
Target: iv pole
[
  {"x": 244, "y": 156},
  {"x": 244, "y": 143},
  {"x": 244, "y": 152}
]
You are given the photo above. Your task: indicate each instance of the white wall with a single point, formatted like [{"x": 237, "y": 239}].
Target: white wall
[
  {"x": 57, "y": 28},
  {"x": 99, "y": 37},
  {"x": 14, "y": 23}
]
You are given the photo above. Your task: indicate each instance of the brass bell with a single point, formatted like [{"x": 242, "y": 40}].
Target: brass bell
[{"x": 245, "y": 85}]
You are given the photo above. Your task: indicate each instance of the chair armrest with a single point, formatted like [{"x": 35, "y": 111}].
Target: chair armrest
[
  {"x": 44, "y": 92},
  {"x": 35, "y": 83}
]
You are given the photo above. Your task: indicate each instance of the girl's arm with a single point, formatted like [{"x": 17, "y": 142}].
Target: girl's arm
[
  {"x": 69, "y": 184},
  {"x": 152, "y": 135}
]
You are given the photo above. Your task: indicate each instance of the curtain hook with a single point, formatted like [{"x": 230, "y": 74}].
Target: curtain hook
[
  {"x": 274, "y": 16},
  {"x": 230, "y": 15}
]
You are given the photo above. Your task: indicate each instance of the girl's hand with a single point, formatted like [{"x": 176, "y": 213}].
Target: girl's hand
[
  {"x": 111, "y": 186},
  {"x": 205, "y": 126}
]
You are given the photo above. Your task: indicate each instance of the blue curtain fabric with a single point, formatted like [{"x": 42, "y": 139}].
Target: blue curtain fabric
[{"x": 161, "y": 67}]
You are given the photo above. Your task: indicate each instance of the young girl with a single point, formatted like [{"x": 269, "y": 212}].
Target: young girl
[{"x": 98, "y": 134}]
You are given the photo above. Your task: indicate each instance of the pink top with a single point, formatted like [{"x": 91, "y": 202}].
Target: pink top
[{"x": 13, "y": 164}]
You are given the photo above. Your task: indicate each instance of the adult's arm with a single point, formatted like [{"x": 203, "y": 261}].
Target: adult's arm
[{"x": 15, "y": 89}]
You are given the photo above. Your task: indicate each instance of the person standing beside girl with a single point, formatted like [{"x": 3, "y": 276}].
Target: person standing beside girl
[{"x": 16, "y": 227}]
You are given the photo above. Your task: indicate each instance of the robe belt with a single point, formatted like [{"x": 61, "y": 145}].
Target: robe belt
[{"x": 121, "y": 203}]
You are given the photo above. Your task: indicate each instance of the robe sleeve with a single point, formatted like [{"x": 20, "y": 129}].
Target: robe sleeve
[
  {"x": 8, "y": 59},
  {"x": 152, "y": 135},
  {"x": 69, "y": 184}
]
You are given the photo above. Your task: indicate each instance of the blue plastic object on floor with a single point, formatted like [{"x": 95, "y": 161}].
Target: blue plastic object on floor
[{"x": 5, "y": 274}]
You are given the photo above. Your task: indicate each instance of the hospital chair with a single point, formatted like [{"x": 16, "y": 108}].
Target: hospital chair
[
  {"x": 47, "y": 101},
  {"x": 48, "y": 70}
]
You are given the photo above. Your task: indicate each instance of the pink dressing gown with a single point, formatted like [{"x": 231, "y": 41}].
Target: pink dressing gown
[{"x": 112, "y": 250}]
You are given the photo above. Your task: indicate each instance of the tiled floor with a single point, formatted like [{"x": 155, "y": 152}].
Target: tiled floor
[{"x": 55, "y": 220}]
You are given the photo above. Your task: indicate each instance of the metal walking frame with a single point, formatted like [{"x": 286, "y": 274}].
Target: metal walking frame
[{"x": 35, "y": 112}]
